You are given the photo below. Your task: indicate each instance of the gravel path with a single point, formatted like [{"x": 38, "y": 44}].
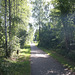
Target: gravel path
[{"x": 43, "y": 64}]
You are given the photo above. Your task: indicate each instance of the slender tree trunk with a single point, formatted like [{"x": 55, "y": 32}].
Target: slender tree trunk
[
  {"x": 9, "y": 28},
  {"x": 39, "y": 26},
  {"x": 14, "y": 8},
  {"x": 39, "y": 20},
  {"x": 14, "y": 12},
  {"x": 6, "y": 28}
]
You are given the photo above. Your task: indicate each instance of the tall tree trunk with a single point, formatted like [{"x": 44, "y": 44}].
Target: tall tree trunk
[
  {"x": 14, "y": 8},
  {"x": 6, "y": 28},
  {"x": 66, "y": 36},
  {"x": 9, "y": 28},
  {"x": 64, "y": 7},
  {"x": 39, "y": 21}
]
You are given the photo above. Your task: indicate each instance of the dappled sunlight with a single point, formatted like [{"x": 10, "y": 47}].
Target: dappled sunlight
[
  {"x": 24, "y": 54},
  {"x": 40, "y": 55},
  {"x": 27, "y": 55},
  {"x": 33, "y": 52},
  {"x": 18, "y": 64},
  {"x": 32, "y": 44},
  {"x": 55, "y": 72},
  {"x": 46, "y": 64},
  {"x": 49, "y": 53},
  {"x": 26, "y": 50},
  {"x": 36, "y": 53},
  {"x": 52, "y": 72}
]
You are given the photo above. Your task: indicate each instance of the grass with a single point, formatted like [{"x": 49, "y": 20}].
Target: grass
[
  {"x": 66, "y": 62},
  {"x": 17, "y": 64}
]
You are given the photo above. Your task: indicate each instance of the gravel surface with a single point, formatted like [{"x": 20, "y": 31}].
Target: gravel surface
[{"x": 43, "y": 64}]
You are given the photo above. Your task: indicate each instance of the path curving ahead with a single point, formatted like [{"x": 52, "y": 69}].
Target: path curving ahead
[{"x": 43, "y": 64}]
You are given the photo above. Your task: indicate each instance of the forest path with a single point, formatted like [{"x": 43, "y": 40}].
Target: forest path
[{"x": 43, "y": 64}]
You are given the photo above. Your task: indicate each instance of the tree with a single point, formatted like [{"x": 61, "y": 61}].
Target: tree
[
  {"x": 65, "y": 9},
  {"x": 9, "y": 28},
  {"x": 16, "y": 16},
  {"x": 40, "y": 13},
  {"x": 6, "y": 28}
]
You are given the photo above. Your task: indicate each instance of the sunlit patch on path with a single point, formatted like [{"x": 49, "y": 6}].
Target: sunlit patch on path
[
  {"x": 39, "y": 55},
  {"x": 43, "y": 64}
]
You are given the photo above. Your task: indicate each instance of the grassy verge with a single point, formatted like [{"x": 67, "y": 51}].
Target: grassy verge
[
  {"x": 17, "y": 64},
  {"x": 66, "y": 62}
]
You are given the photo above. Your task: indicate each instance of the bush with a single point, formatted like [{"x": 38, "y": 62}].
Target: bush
[
  {"x": 71, "y": 55},
  {"x": 61, "y": 51}
]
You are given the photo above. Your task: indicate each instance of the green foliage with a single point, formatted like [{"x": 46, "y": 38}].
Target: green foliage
[
  {"x": 22, "y": 35},
  {"x": 1, "y": 36},
  {"x": 17, "y": 19},
  {"x": 15, "y": 43},
  {"x": 36, "y": 35},
  {"x": 71, "y": 55},
  {"x": 58, "y": 30},
  {"x": 18, "y": 15},
  {"x": 18, "y": 64},
  {"x": 48, "y": 38},
  {"x": 2, "y": 40},
  {"x": 30, "y": 32}
]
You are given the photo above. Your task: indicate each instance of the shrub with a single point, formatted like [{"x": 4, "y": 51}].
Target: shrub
[{"x": 71, "y": 55}]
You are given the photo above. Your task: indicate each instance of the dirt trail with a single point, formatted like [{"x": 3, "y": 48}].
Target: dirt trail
[{"x": 43, "y": 64}]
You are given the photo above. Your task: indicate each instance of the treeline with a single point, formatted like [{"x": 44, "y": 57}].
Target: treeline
[
  {"x": 14, "y": 20},
  {"x": 56, "y": 20}
]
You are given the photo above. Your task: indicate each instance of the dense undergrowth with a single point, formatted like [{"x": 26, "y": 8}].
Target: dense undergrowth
[{"x": 18, "y": 64}]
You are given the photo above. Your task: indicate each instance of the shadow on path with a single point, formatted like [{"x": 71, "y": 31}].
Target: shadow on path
[{"x": 43, "y": 64}]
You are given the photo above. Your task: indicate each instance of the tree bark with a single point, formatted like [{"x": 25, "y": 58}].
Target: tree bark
[
  {"x": 9, "y": 28},
  {"x": 6, "y": 29},
  {"x": 39, "y": 21}
]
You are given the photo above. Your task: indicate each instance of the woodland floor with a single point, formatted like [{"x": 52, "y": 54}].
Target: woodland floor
[{"x": 43, "y": 64}]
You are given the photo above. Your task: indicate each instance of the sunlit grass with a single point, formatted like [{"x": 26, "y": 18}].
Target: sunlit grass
[
  {"x": 36, "y": 43},
  {"x": 17, "y": 64}
]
